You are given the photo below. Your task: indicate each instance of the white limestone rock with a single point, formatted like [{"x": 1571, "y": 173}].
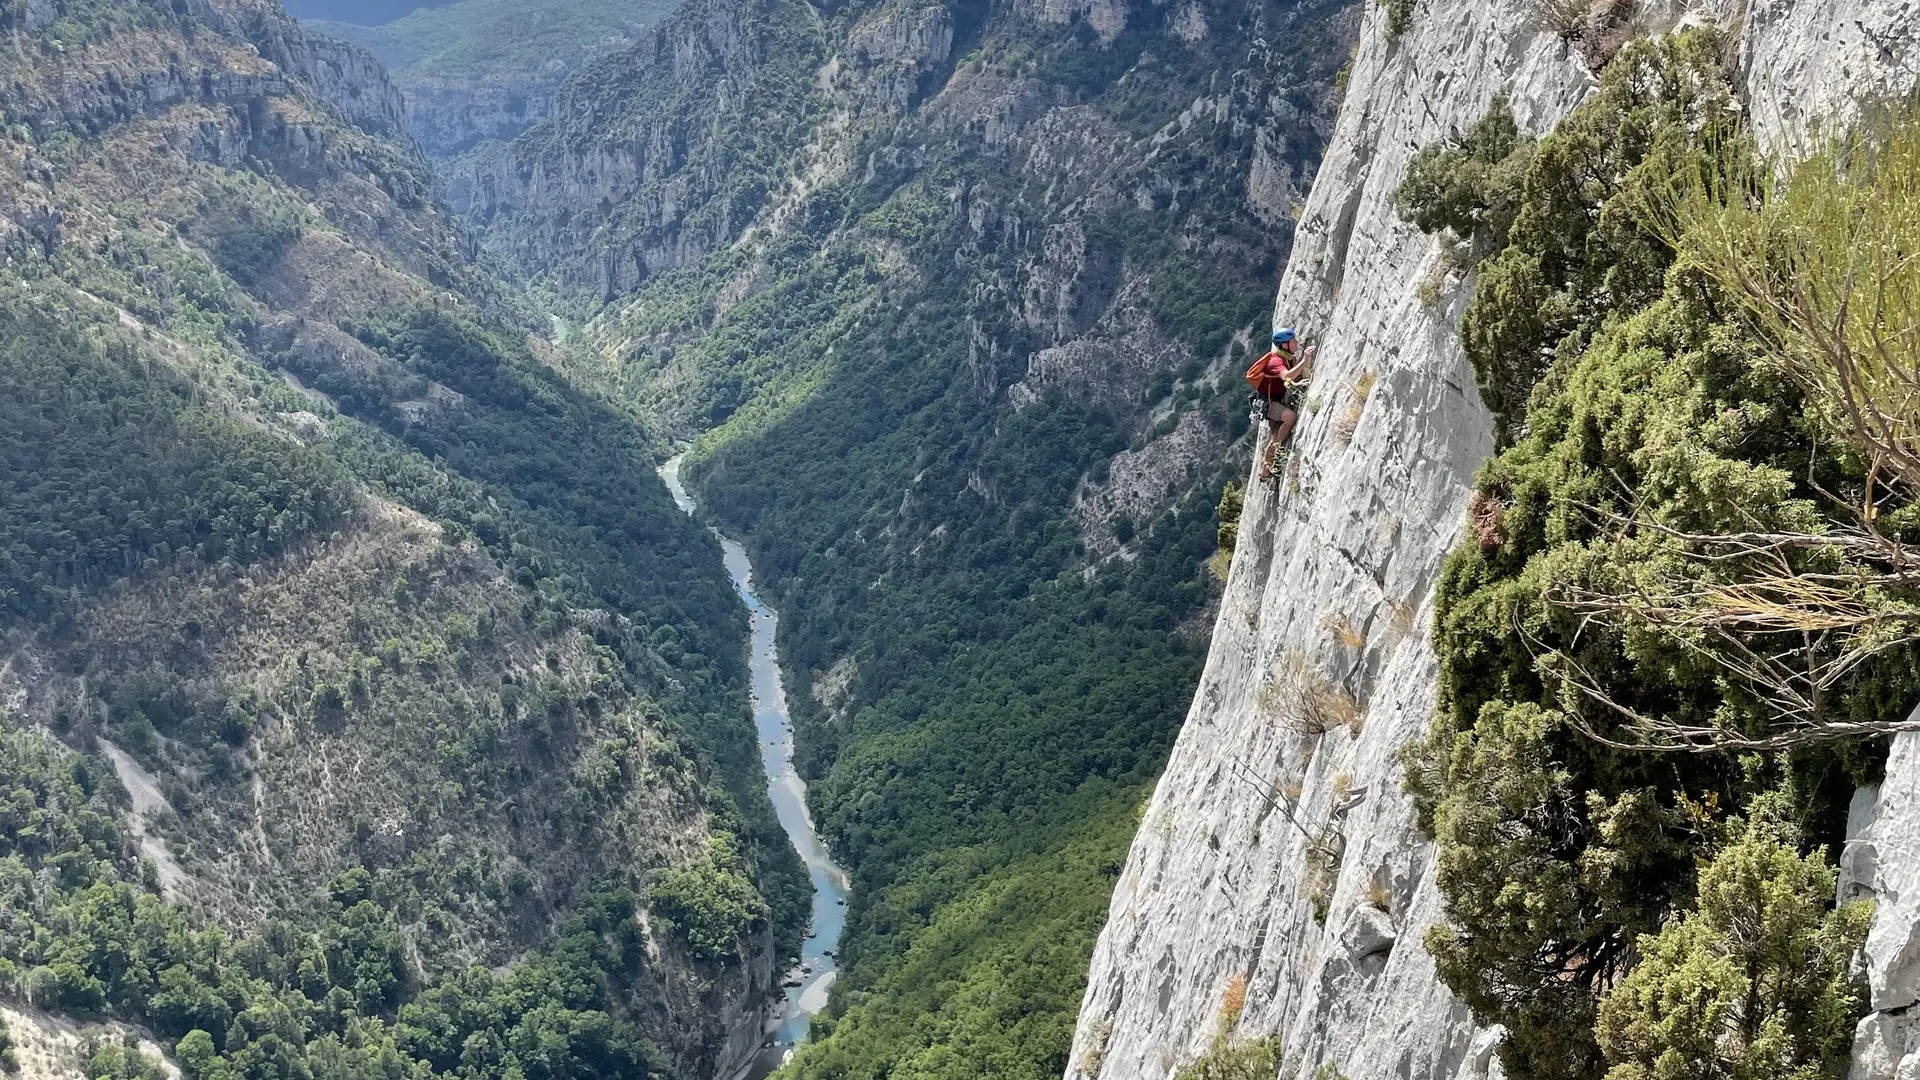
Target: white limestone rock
[
  {"x": 1881, "y": 862},
  {"x": 893, "y": 49},
  {"x": 1808, "y": 64},
  {"x": 1331, "y": 587}
]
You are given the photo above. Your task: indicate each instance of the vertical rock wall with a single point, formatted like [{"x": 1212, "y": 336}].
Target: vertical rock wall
[
  {"x": 1328, "y": 601},
  {"x": 1274, "y": 851},
  {"x": 1882, "y": 863},
  {"x": 1808, "y": 63}
]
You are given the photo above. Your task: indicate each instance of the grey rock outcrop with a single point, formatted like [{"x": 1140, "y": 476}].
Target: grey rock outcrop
[
  {"x": 894, "y": 49},
  {"x": 31, "y": 16},
  {"x": 605, "y": 196},
  {"x": 1808, "y": 64},
  {"x": 1881, "y": 862},
  {"x": 345, "y": 78},
  {"x": 1279, "y": 848},
  {"x": 1107, "y": 18},
  {"x": 610, "y": 197}
]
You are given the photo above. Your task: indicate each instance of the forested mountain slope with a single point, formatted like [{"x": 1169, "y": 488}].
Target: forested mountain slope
[
  {"x": 428, "y": 700},
  {"x": 953, "y": 302}
]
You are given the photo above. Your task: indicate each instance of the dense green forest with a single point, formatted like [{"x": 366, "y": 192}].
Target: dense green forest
[
  {"x": 328, "y": 997},
  {"x": 1610, "y": 903},
  {"x": 109, "y": 466}
]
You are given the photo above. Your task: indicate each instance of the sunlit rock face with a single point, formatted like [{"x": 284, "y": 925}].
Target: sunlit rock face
[
  {"x": 1284, "y": 855},
  {"x": 1881, "y": 862}
]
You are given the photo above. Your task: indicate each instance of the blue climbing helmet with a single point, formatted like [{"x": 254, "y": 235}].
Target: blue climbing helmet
[{"x": 1283, "y": 335}]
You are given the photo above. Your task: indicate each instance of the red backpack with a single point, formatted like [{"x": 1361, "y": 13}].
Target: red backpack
[{"x": 1263, "y": 380}]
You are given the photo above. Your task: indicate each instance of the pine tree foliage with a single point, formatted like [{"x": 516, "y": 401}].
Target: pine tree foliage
[{"x": 1757, "y": 983}]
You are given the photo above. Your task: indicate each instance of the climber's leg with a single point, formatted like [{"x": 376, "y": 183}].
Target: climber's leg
[{"x": 1274, "y": 439}]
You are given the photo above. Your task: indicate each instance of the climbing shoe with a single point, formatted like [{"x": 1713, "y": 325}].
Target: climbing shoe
[{"x": 1279, "y": 467}]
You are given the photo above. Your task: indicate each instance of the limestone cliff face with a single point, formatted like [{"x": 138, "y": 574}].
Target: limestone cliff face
[
  {"x": 451, "y": 117},
  {"x": 343, "y": 75},
  {"x": 1330, "y": 587},
  {"x": 1278, "y": 846},
  {"x": 1880, "y": 862},
  {"x": 142, "y": 76},
  {"x": 658, "y": 176}
]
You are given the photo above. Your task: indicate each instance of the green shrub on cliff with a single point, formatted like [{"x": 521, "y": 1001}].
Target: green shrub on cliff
[
  {"x": 251, "y": 243},
  {"x": 1400, "y": 15},
  {"x": 121, "y": 1059},
  {"x": 1636, "y": 415},
  {"x": 1470, "y": 187},
  {"x": 1232, "y": 1059},
  {"x": 1233, "y": 500},
  {"x": 1570, "y": 243},
  {"x": 1756, "y": 984}
]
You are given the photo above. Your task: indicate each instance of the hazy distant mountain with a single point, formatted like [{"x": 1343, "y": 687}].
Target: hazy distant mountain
[
  {"x": 364, "y": 12},
  {"x": 477, "y": 71},
  {"x": 494, "y": 39}
]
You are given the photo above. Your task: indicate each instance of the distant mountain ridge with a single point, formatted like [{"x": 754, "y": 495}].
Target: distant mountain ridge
[
  {"x": 361, "y": 12},
  {"x": 481, "y": 71}
]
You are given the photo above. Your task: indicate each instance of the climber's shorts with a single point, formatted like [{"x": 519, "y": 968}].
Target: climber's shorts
[{"x": 1292, "y": 399}]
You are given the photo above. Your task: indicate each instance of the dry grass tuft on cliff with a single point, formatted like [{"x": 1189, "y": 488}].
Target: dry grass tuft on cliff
[
  {"x": 1599, "y": 27},
  {"x": 1307, "y": 700},
  {"x": 1349, "y": 420},
  {"x": 1343, "y": 631},
  {"x": 1229, "y": 1058},
  {"x": 1233, "y": 1001}
]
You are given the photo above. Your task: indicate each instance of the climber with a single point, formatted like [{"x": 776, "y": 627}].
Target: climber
[{"x": 1279, "y": 381}]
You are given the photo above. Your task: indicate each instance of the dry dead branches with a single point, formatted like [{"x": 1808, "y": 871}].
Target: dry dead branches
[
  {"x": 1786, "y": 617},
  {"x": 1308, "y": 701},
  {"x": 1822, "y": 267}
]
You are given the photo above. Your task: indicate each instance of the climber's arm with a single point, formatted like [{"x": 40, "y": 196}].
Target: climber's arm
[{"x": 1303, "y": 370}]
